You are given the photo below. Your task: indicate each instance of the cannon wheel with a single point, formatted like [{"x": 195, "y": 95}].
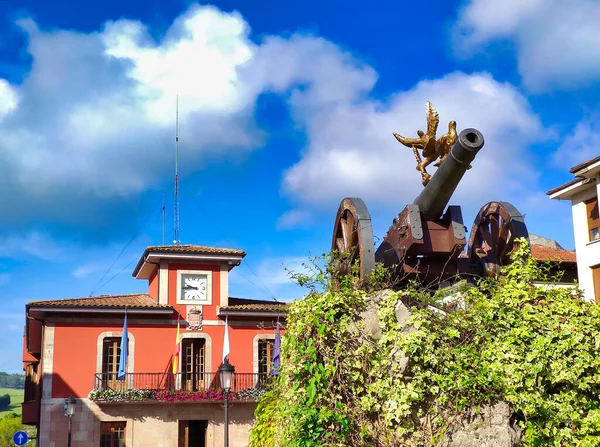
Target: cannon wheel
[
  {"x": 353, "y": 236},
  {"x": 493, "y": 235}
]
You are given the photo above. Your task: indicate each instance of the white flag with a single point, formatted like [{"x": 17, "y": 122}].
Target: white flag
[{"x": 226, "y": 342}]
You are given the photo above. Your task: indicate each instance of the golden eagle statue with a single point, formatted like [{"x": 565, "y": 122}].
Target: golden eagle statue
[{"x": 431, "y": 147}]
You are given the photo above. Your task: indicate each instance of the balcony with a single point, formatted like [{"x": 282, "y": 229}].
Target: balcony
[
  {"x": 180, "y": 387},
  {"x": 30, "y": 412}
]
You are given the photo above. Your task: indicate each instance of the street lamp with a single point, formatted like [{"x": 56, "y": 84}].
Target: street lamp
[
  {"x": 70, "y": 403},
  {"x": 226, "y": 375}
]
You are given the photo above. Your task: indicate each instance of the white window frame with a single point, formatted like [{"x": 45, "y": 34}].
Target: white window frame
[
  {"x": 207, "y": 352},
  {"x": 130, "y": 351},
  {"x": 255, "y": 343}
]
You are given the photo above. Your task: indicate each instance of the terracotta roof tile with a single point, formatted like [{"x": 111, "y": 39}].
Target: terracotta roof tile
[
  {"x": 542, "y": 253},
  {"x": 257, "y": 307},
  {"x": 585, "y": 164},
  {"x": 195, "y": 249},
  {"x": 186, "y": 249},
  {"x": 135, "y": 301},
  {"x": 235, "y": 301},
  {"x": 248, "y": 304}
]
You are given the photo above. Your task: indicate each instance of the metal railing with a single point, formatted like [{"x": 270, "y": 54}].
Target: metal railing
[{"x": 166, "y": 381}]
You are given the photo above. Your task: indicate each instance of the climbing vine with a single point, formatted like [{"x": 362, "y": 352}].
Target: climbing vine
[{"x": 536, "y": 348}]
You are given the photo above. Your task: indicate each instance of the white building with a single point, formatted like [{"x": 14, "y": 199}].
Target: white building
[{"x": 583, "y": 194}]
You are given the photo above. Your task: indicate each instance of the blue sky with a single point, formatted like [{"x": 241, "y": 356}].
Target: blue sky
[{"x": 285, "y": 109}]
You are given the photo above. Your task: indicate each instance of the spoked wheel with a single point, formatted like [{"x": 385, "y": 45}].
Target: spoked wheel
[
  {"x": 493, "y": 236},
  {"x": 353, "y": 237}
]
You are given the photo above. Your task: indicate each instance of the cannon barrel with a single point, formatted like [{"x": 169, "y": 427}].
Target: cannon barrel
[{"x": 435, "y": 196}]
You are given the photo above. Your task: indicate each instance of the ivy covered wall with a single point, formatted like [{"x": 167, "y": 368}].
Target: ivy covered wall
[{"x": 538, "y": 350}]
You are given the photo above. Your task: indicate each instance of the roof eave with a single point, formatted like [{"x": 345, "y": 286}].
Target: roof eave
[
  {"x": 588, "y": 171},
  {"x": 153, "y": 258},
  {"x": 589, "y": 165},
  {"x": 565, "y": 193},
  {"x": 250, "y": 313},
  {"x": 100, "y": 309}
]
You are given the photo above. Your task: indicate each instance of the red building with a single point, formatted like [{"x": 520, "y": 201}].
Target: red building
[{"x": 73, "y": 347}]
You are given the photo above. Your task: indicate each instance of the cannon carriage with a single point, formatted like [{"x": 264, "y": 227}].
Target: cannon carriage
[{"x": 428, "y": 240}]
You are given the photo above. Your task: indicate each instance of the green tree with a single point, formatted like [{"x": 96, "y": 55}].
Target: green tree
[
  {"x": 9, "y": 425},
  {"x": 16, "y": 381},
  {"x": 4, "y": 401}
]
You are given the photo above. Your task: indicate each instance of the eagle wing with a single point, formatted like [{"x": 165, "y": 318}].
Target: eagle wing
[{"x": 433, "y": 119}]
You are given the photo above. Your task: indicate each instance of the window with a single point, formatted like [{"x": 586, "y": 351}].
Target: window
[
  {"x": 192, "y": 433},
  {"x": 265, "y": 355},
  {"x": 596, "y": 278},
  {"x": 111, "y": 355},
  {"x": 192, "y": 367},
  {"x": 593, "y": 218},
  {"x": 30, "y": 381},
  {"x": 112, "y": 434}
]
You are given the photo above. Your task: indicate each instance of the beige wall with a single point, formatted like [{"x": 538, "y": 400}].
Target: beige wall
[
  {"x": 588, "y": 253},
  {"x": 148, "y": 424}
]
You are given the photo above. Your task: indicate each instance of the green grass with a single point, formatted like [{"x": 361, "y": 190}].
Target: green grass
[{"x": 16, "y": 398}]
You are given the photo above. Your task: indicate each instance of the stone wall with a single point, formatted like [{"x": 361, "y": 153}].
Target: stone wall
[
  {"x": 148, "y": 424},
  {"x": 490, "y": 426}
]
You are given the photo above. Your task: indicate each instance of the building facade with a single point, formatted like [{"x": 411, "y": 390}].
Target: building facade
[
  {"x": 582, "y": 192},
  {"x": 168, "y": 391}
]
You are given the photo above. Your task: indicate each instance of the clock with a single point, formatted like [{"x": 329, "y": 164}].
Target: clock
[{"x": 194, "y": 288}]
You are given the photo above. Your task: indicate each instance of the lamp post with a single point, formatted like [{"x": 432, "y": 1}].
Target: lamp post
[
  {"x": 226, "y": 375},
  {"x": 70, "y": 403}
]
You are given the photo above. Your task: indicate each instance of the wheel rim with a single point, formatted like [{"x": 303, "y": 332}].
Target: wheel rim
[
  {"x": 493, "y": 235},
  {"x": 353, "y": 236}
]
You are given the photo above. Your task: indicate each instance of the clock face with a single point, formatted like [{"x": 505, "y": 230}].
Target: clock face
[{"x": 193, "y": 287}]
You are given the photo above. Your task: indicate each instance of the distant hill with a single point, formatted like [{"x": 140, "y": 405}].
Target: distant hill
[{"x": 16, "y": 381}]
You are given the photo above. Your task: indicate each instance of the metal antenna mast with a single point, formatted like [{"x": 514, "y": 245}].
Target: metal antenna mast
[
  {"x": 176, "y": 240},
  {"x": 164, "y": 209}
]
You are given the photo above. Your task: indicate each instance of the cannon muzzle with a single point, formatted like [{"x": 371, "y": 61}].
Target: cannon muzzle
[{"x": 435, "y": 196}]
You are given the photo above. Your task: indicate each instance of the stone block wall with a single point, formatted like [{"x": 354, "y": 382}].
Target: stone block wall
[{"x": 148, "y": 424}]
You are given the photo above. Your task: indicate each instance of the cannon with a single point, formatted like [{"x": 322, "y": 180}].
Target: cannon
[{"x": 427, "y": 240}]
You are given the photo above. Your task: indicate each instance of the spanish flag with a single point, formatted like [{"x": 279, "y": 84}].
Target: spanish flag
[{"x": 177, "y": 347}]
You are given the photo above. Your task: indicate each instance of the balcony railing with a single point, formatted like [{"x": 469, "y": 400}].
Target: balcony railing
[{"x": 181, "y": 381}]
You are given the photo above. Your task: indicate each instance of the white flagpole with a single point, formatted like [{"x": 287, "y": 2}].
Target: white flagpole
[{"x": 226, "y": 342}]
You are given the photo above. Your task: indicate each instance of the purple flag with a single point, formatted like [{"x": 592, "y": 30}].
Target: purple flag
[
  {"x": 124, "y": 354},
  {"x": 276, "y": 353}
]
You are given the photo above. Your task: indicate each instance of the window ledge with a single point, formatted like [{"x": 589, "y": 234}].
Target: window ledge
[{"x": 593, "y": 242}]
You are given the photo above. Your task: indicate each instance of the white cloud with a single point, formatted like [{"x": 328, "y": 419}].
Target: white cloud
[
  {"x": 104, "y": 264},
  {"x": 483, "y": 20},
  {"x": 270, "y": 278},
  {"x": 294, "y": 219},
  {"x": 352, "y": 152},
  {"x": 8, "y": 98},
  {"x": 98, "y": 110},
  {"x": 276, "y": 271},
  {"x": 581, "y": 145},
  {"x": 557, "y": 43},
  {"x": 94, "y": 121},
  {"x": 94, "y": 118},
  {"x": 95, "y": 263},
  {"x": 86, "y": 270},
  {"x": 92, "y": 124},
  {"x": 317, "y": 71},
  {"x": 198, "y": 59},
  {"x": 33, "y": 244}
]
